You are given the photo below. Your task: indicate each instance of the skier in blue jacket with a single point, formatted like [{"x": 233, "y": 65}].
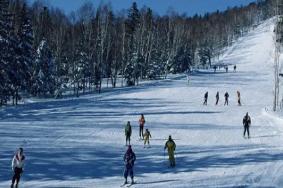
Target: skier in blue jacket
[{"x": 129, "y": 159}]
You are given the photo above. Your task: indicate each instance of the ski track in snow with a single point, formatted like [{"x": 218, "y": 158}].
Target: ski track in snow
[{"x": 80, "y": 142}]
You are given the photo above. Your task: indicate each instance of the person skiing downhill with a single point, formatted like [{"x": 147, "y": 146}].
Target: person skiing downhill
[
  {"x": 247, "y": 123},
  {"x": 205, "y": 98},
  {"x": 128, "y": 132},
  {"x": 170, "y": 146},
  {"x": 147, "y": 135},
  {"x": 129, "y": 159},
  {"x": 235, "y": 67},
  {"x": 226, "y": 95},
  {"x": 17, "y": 166},
  {"x": 141, "y": 122},
  {"x": 217, "y": 98},
  {"x": 239, "y": 98}
]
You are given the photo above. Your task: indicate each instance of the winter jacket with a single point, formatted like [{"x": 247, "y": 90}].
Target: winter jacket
[
  {"x": 206, "y": 95},
  {"x": 226, "y": 95},
  {"x": 18, "y": 161},
  {"x": 147, "y": 135},
  {"x": 128, "y": 130},
  {"x": 217, "y": 95},
  {"x": 142, "y": 122},
  {"x": 170, "y": 145},
  {"x": 129, "y": 158},
  {"x": 247, "y": 120}
]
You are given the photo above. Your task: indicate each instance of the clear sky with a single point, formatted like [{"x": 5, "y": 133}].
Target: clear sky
[{"x": 190, "y": 7}]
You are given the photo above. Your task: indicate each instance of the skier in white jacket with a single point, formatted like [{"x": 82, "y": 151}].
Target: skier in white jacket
[{"x": 17, "y": 166}]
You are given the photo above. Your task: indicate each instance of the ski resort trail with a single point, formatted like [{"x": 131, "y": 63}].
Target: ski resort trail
[{"x": 80, "y": 142}]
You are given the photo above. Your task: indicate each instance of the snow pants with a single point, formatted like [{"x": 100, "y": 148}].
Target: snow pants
[
  {"x": 17, "y": 176},
  {"x": 171, "y": 158},
  {"x": 128, "y": 170},
  {"x": 247, "y": 129},
  {"x": 146, "y": 140},
  {"x": 226, "y": 102},
  {"x": 128, "y": 139},
  {"x": 141, "y": 131},
  {"x": 239, "y": 102},
  {"x": 205, "y": 102}
]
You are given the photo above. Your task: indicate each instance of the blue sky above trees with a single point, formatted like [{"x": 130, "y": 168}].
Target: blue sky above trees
[{"x": 190, "y": 7}]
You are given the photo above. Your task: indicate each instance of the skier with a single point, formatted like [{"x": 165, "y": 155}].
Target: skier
[
  {"x": 239, "y": 98},
  {"x": 226, "y": 68},
  {"x": 146, "y": 135},
  {"x": 226, "y": 95},
  {"x": 217, "y": 98},
  {"x": 214, "y": 67},
  {"x": 141, "y": 122},
  {"x": 128, "y": 132},
  {"x": 129, "y": 159},
  {"x": 170, "y": 146},
  {"x": 205, "y": 98},
  {"x": 247, "y": 123},
  {"x": 235, "y": 67},
  {"x": 17, "y": 166}
]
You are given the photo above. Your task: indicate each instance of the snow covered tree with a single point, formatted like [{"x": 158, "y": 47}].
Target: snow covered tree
[
  {"x": 25, "y": 52},
  {"x": 43, "y": 76},
  {"x": 7, "y": 57},
  {"x": 133, "y": 55},
  {"x": 81, "y": 68}
]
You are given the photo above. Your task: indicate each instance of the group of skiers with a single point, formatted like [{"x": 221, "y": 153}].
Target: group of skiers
[
  {"x": 129, "y": 157},
  {"x": 225, "y": 67},
  {"x": 226, "y": 97},
  {"x": 143, "y": 135}
]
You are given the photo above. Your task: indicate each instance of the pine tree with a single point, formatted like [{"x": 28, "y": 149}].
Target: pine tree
[
  {"x": 7, "y": 57},
  {"x": 134, "y": 57},
  {"x": 81, "y": 67},
  {"x": 24, "y": 52},
  {"x": 43, "y": 76}
]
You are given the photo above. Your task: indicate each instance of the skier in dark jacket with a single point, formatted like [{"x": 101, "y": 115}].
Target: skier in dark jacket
[
  {"x": 141, "y": 122},
  {"x": 247, "y": 123},
  {"x": 129, "y": 159},
  {"x": 171, "y": 146},
  {"x": 146, "y": 136},
  {"x": 128, "y": 132},
  {"x": 217, "y": 98},
  {"x": 226, "y": 95},
  {"x": 205, "y": 98},
  {"x": 17, "y": 166},
  {"x": 239, "y": 98}
]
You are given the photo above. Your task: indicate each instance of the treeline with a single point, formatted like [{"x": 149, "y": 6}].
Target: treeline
[{"x": 44, "y": 51}]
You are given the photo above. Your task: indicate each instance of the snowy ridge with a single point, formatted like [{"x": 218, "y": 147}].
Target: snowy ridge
[{"x": 80, "y": 142}]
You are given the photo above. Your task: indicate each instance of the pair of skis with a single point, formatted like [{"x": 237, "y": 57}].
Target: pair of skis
[{"x": 128, "y": 185}]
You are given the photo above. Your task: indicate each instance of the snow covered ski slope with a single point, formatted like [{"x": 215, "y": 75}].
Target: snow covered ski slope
[{"x": 80, "y": 142}]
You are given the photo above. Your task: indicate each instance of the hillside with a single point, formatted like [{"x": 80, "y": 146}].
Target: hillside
[{"x": 80, "y": 142}]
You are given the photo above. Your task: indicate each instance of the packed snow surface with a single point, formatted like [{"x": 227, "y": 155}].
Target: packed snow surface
[{"x": 80, "y": 142}]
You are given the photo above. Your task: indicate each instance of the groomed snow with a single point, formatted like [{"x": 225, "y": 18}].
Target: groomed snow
[{"x": 79, "y": 142}]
